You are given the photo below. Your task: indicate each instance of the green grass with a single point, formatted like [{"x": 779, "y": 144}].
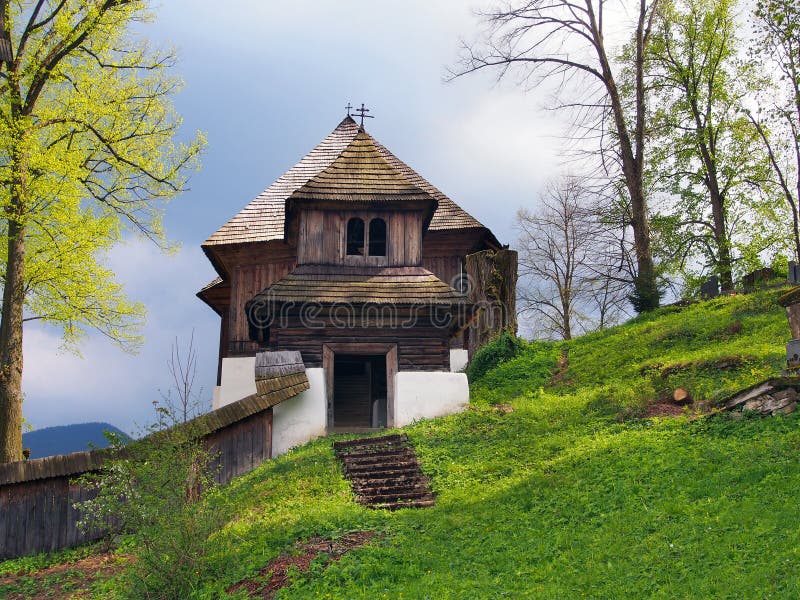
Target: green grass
[{"x": 567, "y": 496}]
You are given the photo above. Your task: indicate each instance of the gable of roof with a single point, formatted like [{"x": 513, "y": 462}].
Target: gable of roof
[
  {"x": 263, "y": 218},
  {"x": 360, "y": 174}
]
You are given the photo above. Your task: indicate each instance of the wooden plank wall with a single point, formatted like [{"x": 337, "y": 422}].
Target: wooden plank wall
[
  {"x": 248, "y": 280},
  {"x": 253, "y": 267},
  {"x": 444, "y": 251},
  {"x": 321, "y": 238},
  {"x": 446, "y": 268},
  {"x": 241, "y": 447},
  {"x": 38, "y": 515},
  {"x": 420, "y": 348}
]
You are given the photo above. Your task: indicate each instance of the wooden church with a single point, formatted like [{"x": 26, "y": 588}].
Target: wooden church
[{"x": 357, "y": 263}]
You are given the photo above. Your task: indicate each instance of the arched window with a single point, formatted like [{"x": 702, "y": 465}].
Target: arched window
[
  {"x": 355, "y": 237},
  {"x": 377, "y": 237}
]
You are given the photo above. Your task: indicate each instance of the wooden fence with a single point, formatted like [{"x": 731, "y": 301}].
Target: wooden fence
[
  {"x": 38, "y": 497},
  {"x": 37, "y": 504}
]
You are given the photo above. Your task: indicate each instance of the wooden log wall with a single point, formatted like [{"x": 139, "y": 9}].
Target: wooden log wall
[
  {"x": 423, "y": 347},
  {"x": 38, "y": 515}
]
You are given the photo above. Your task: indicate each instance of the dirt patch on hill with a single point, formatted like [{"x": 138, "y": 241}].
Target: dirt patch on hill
[
  {"x": 276, "y": 574},
  {"x": 668, "y": 408},
  {"x": 663, "y": 409},
  {"x": 60, "y": 582}
]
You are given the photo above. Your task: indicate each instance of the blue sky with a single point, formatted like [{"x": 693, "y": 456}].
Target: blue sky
[{"x": 266, "y": 81}]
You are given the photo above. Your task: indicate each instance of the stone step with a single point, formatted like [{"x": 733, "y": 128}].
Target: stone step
[
  {"x": 368, "y": 478},
  {"x": 394, "y": 497},
  {"x": 369, "y": 490},
  {"x": 384, "y": 472},
  {"x": 381, "y": 467},
  {"x": 410, "y": 479},
  {"x": 365, "y": 483},
  {"x": 405, "y": 504},
  {"x": 397, "y": 456},
  {"x": 375, "y": 453},
  {"x": 379, "y": 496},
  {"x": 397, "y": 438}
]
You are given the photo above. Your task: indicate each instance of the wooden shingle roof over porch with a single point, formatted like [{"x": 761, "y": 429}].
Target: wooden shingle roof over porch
[{"x": 361, "y": 285}]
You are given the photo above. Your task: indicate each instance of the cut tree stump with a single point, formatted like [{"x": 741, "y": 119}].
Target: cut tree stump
[{"x": 681, "y": 396}]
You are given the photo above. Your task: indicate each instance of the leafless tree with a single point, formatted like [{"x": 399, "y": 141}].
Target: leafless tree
[
  {"x": 182, "y": 367},
  {"x": 606, "y": 297},
  {"x": 565, "y": 41},
  {"x": 567, "y": 281}
]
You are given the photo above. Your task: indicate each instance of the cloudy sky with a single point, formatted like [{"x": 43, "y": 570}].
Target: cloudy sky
[{"x": 266, "y": 81}]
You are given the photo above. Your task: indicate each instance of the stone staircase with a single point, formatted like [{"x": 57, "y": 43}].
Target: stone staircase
[{"x": 384, "y": 472}]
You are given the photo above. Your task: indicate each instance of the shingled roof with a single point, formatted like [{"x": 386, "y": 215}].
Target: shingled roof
[
  {"x": 360, "y": 174},
  {"x": 279, "y": 376},
  {"x": 361, "y": 285},
  {"x": 263, "y": 219}
]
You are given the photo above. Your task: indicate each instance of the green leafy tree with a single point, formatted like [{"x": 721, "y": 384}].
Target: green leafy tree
[
  {"x": 87, "y": 153},
  {"x": 703, "y": 145},
  {"x": 777, "y": 47}
]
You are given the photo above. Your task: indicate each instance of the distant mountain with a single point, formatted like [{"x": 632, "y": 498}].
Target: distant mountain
[{"x": 64, "y": 439}]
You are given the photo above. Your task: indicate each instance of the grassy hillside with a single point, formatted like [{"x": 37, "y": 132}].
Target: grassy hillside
[{"x": 569, "y": 495}]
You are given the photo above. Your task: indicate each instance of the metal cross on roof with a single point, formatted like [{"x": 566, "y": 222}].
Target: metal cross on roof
[
  {"x": 362, "y": 112},
  {"x": 348, "y": 108}
]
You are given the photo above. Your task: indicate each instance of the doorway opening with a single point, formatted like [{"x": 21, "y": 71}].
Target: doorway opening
[{"x": 359, "y": 391}]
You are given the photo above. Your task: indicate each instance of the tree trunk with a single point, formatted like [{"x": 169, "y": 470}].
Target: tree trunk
[
  {"x": 13, "y": 305},
  {"x": 706, "y": 147},
  {"x": 723, "y": 259},
  {"x": 11, "y": 347},
  {"x": 632, "y": 148},
  {"x": 647, "y": 293},
  {"x": 724, "y": 262},
  {"x": 566, "y": 312}
]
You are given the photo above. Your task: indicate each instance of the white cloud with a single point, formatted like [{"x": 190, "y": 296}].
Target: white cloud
[
  {"x": 106, "y": 384},
  {"x": 506, "y": 135}
]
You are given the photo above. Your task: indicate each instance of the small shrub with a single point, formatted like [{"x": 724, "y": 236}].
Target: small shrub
[
  {"x": 151, "y": 491},
  {"x": 155, "y": 490},
  {"x": 504, "y": 348},
  {"x": 622, "y": 400},
  {"x": 645, "y": 296}
]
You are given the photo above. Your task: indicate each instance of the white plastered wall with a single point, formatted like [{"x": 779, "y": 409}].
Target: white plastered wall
[
  {"x": 458, "y": 360},
  {"x": 428, "y": 394},
  {"x": 302, "y": 418},
  {"x": 238, "y": 380}
]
